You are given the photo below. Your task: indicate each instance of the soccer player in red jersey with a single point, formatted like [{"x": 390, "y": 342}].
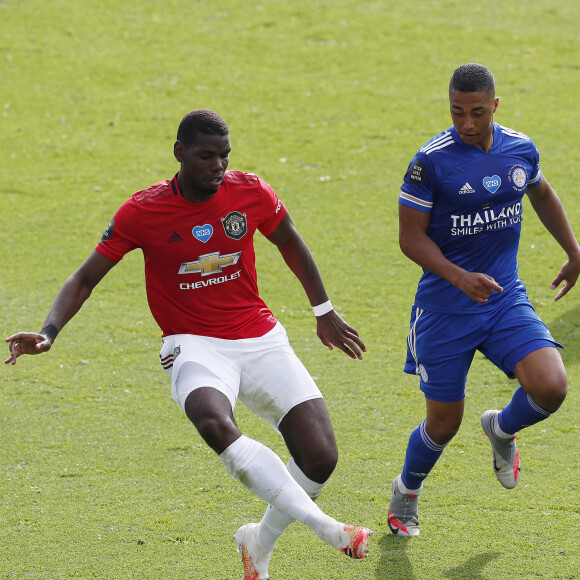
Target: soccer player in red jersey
[{"x": 220, "y": 340}]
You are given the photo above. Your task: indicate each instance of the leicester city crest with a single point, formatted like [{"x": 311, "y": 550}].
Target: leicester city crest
[
  {"x": 518, "y": 177},
  {"x": 235, "y": 225},
  {"x": 423, "y": 372}
]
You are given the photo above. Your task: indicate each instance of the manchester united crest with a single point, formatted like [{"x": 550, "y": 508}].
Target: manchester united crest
[{"x": 235, "y": 225}]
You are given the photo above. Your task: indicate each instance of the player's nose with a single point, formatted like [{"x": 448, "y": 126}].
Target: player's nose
[{"x": 468, "y": 123}]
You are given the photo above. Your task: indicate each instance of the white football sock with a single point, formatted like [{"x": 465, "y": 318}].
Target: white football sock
[
  {"x": 406, "y": 490},
  {"x": 274, "y": 522},
  {"x": 263, "y": 473},
  {"x": 497, "y": 430}
]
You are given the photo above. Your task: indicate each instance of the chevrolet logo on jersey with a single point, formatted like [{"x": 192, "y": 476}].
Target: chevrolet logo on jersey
[{"x": 210, "y": 263}]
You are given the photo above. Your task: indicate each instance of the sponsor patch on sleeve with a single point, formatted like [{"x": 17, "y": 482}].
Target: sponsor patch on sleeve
[
  {"x": 108, "y": 233},
  {"x": 417, "y": 173}
]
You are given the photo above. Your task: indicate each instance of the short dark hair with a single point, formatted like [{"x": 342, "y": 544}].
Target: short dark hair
[
  {"x": 200, "y": 121},
  {"x": 471, "y": 78}
]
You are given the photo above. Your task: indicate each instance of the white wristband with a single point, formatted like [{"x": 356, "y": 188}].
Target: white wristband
[{"x": 323, "y": 308}]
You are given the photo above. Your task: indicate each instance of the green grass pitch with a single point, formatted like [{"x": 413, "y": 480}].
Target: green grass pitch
[{"x": 101, "y": 476}]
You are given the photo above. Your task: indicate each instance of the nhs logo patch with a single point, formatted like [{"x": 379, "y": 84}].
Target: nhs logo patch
[
  {"x": 202, "y": 233},
  {"x": 492, "y": 183}
]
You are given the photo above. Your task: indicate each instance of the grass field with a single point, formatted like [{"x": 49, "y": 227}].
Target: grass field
[{"x": 101, "y": 476}]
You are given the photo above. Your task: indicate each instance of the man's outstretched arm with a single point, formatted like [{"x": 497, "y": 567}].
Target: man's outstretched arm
[{"x": 68, "y": 302}]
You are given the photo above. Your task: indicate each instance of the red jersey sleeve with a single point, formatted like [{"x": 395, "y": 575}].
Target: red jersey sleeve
[
  {"x": 118, "y": 238},
  {"x": 273, "y": 210}
]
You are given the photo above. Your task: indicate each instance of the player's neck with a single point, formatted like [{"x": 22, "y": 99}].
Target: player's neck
[
  {"x": 193, "y": 194},
  {"x": 196, "y": 197},
  {"x": 487, "y": 142}
]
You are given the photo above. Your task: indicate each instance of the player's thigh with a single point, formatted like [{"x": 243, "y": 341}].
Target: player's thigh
[
  {"x": 514, "y": 333},
  {"x": 440, "y": 349},
  {"x": 192, "y": 362},
  {"x": 274, "y": 380}
]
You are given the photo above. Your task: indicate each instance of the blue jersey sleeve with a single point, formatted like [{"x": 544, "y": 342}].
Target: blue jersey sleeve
[
  {"x": 536, "y": 175},
  {"x": 417, "y": 191}
]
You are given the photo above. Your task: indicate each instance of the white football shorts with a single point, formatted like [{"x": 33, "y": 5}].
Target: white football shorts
[{"x": 263, "y": 372}]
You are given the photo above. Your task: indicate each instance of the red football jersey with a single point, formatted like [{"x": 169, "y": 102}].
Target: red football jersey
[{"x": 200, "y": 270}]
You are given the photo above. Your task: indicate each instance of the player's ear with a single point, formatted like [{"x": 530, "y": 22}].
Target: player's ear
[
  {"x": 495, "y": 104},
  {"x": 178, "y": 150}
]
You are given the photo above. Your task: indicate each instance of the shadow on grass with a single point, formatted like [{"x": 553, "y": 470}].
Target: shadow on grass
[
  {"x": 565, "y": 327},
  {"x": 471, "y": 569},
  {"x": 395, "y": 563}
]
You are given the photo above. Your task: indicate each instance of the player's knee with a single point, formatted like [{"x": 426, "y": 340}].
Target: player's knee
[
  {"x": 445, "y": 435},
  {"x": 327, "y": 462},
  {"x": 548, "y": 389},
  {"x": 544, "y": 378},
  {"x": 318, "y": 462},
  {"x": 554, "y": 393},
  {"x": 210, "y": 411},
  {"x": 218, "y": 431},
  {"x": 441, "y": 432}
]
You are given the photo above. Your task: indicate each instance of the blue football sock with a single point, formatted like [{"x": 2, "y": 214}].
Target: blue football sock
[
  {"x": 422, "y": 454},
  {"x": 520, "y": 412}
]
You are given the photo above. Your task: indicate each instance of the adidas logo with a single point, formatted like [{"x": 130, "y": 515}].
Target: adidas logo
[
  {"x": 466, "y": 189},
  {"x": 174, "y": 237}
]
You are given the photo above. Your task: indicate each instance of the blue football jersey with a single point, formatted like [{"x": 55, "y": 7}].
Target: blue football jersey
[{"x": 475, "y": 203}]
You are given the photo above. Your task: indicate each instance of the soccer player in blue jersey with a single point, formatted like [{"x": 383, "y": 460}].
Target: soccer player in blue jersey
[{"x": 460, "y": 213}]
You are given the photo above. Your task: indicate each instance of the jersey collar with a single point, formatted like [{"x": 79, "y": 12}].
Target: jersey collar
[
  {"x": 175, "y": 186},
  {"x": 497, "y": 138}
]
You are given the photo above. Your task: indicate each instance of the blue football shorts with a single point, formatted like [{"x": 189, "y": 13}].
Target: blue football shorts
[{"x": 441, "y": 346}]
